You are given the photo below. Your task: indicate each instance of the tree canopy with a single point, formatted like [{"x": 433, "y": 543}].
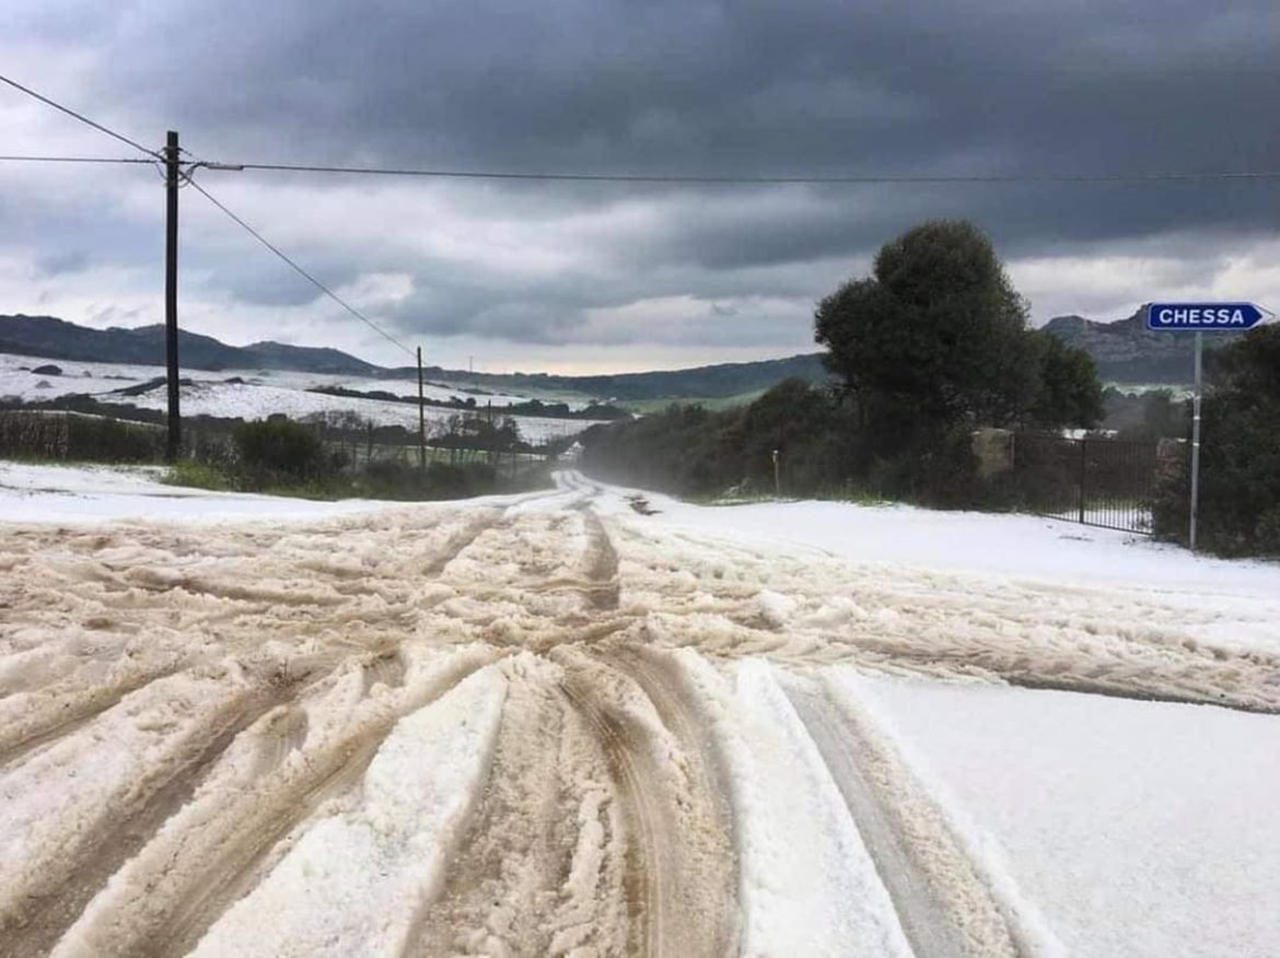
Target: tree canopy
[{"x": 937, "y": 338}]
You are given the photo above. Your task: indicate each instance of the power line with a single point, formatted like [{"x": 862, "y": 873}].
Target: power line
[
  {"x": 298, "y": 269},
  {"x": 905, "y": 179},
  {"x": 75, "y": 159},
  {"x": 870, "y": 179},
  {"x": 79, "y": 116}
]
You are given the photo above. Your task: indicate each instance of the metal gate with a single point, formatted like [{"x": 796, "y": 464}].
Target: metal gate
[{"x": 1098, "y": 482}]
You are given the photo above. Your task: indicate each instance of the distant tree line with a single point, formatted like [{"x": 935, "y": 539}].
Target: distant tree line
[{"x": 529, "y": 407}]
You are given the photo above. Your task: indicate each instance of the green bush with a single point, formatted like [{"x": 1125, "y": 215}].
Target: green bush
[
  {"x": 398, "y": 479},
  {"x": 279, "y": 450},
  {"x": 447, "y": 481},
  {"x": 940, "y": 471},
  {"x": 198, "y": 475}
]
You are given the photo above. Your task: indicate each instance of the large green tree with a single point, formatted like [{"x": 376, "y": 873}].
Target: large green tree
[{"x": 936, "y": 338}]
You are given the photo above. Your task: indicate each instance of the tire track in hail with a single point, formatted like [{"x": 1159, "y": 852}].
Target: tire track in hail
[
  {"x": 218, "y": 836},
  {"x": 945, "y": 908},
  {"x": 595, "y": 580},
  {"x": 511, "y": 887},
  {"x": 65, "y": 707},
  {"x": 602, "y": 565},
  {"x": 235, "y": 868},
  {"x": 643, "y": 870},
  {"x": 708, "y": 777},
  {"x": 1240, "y": 702},
  {"x": 50, "y": 914},
  {"x": 677, "y": 890},
  {"x": 956, "y": 623},
  {"x": 475, "y": 527},
  {"x": 1197, "y": 680},
  {"x": 664, "y": 872},
  {"x": 531, "y": 876}
]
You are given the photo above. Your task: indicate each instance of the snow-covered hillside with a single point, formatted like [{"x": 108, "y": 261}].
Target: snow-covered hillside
[{"x": 256, "y": 394}]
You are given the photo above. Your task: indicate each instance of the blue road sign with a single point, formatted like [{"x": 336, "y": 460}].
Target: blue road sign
[{"x": 1204, "y": 317}]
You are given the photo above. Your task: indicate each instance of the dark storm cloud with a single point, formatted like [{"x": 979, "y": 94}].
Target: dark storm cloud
[
  {"x": 752, "y": 88},
  {"x": 748, "y": 87}
]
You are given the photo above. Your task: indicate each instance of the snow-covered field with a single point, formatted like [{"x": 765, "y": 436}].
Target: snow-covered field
[
  {"x": 259, "y": 393},
  {"x": 36, "y": 493},
  {"x": 549, "y": 724}
]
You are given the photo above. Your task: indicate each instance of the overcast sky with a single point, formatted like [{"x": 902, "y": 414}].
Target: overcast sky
[{"x": 600, "y": 277}]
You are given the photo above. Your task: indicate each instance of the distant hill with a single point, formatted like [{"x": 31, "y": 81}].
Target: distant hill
[
  {"x": 58, "y": 339},
  {"x": 1125, "y": 351},
  {"x": 703, "y": 382}
]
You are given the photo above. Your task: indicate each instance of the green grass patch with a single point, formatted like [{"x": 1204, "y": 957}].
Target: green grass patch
[{"x": 198, "y": 475}]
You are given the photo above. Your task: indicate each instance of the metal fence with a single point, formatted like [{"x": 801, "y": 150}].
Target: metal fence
[{"x": 1098, "y": 482}]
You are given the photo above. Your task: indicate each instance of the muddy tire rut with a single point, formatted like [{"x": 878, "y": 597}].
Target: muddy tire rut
[
  {"x": 48, "y": 915},
  {"x": 680, "y": 876},
  {"x": 512, "y": 888}
]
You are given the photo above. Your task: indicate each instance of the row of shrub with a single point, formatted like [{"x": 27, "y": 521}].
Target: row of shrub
[
  {"x": 281, "y": 455},
  {"x": 528, "y": 407},
  {"x": 65, "y": 435},
  {"x": 275, "y": 455}
]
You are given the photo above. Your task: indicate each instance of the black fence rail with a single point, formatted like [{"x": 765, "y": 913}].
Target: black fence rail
[{"x": 1098, "y": 482}]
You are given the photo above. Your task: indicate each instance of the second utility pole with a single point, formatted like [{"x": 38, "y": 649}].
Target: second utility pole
[
  {"x": 422, "y": 420},
  {"x": 171, "y": 174}
]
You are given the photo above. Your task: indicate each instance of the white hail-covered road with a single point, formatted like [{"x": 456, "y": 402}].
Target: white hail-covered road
[{"x": 553, "y": 724}]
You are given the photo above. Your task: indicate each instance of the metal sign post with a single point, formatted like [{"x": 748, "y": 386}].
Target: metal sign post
[
  {"x": 1199, "y": 318},
  {"x": 1195, "y": 444}
]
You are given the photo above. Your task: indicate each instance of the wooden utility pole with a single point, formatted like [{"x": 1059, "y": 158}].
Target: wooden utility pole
[
  {"x": 422, "y": 419},
  {"x": 172, "y": 172}
]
